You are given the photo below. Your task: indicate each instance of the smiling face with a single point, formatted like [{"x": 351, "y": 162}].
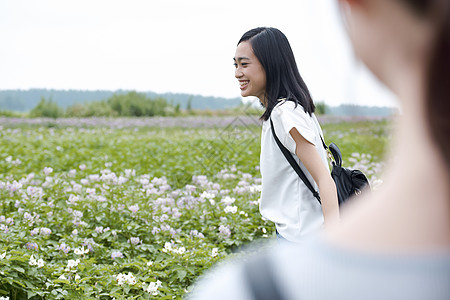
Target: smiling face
[{"x": 249, "y": 72}]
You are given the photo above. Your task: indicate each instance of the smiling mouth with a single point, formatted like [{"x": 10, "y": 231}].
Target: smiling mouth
[{"x": 243, "y": 84}]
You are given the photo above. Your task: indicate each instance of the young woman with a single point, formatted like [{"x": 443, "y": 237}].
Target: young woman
[
  {"x": 266, "y": 68},
  {"x": 396, "y": 243}
]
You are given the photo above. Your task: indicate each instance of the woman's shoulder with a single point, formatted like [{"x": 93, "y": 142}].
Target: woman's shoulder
[
  {"x": 291, "y": 110},
  {"x": 289, "y": 106}
]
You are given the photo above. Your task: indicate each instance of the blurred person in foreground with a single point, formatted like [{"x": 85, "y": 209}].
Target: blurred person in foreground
[{"x": 395, "y": 243}]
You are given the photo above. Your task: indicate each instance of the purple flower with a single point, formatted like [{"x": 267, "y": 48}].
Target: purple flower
[
  {"x": 63, "y": 247},
  {"x": 134, "y": 240},
  {"x": 116, "y": 254},
  {"x": 45, "y": 231},
  {"x": 89, "y": 243},
  {"x": 4, "y": 228},
  {"x": 48, "y": 170},
  {"x": 12, "y": 187},
  {"x": 190, "y": 188},
  {"x": 196, "y": 234},
  {"x": 133, "y": 208},
  {"x": 225, "y": 231},
  {"x": 32, "y": 246}
]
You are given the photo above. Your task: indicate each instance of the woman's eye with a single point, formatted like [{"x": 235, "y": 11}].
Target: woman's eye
[
  {"x": 244, "y": 64},
  {"x": 235, "y": 65}
]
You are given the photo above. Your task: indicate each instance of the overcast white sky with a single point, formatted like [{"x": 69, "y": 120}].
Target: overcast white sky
[{"x": 172, "y": 46}]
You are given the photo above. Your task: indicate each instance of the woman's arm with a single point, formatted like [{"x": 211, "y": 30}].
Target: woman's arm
[{"x": 307, "y": 153}]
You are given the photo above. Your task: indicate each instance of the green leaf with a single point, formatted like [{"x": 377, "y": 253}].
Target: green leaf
[
  {"x": 181, "y": 274},
  {"x": 31, "y": 294},
  {"x": 18, "y": 269}
]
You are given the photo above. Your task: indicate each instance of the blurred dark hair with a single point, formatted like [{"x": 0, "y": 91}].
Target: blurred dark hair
[
  {"x": 438, "y": 77},
  {"x": 283, "y": 79}
]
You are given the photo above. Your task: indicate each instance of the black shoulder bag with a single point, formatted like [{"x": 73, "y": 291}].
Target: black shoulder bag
[{"x": 348, "y": 182}]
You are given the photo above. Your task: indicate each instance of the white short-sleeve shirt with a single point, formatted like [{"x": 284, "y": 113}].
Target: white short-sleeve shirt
[{"x": 285, "y": 199}]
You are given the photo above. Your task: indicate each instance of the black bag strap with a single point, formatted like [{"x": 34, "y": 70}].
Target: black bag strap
[
  {"x": 323, "y": 143},
  {"x": 294, "y": 164},
  {"x": 260, "y": 279}
]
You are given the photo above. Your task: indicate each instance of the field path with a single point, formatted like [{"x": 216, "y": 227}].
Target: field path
[{"x": 163, "y": 122}]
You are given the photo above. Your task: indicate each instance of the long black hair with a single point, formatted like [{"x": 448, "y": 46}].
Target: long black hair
[{"x": 283, "y": 79}]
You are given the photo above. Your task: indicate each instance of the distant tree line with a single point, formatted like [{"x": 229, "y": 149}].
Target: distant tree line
[
  {"x": 26, "y": 100},
  {"x": 131, "y": 104}
]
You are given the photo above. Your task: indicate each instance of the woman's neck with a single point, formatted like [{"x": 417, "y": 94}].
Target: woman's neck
[{"x": 411, "y": 211}]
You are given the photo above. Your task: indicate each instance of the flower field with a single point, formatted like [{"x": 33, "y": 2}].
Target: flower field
[{"x": 137, "y": 212}]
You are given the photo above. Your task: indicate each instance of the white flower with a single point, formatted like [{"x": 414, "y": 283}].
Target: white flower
[
  {"x": 48, "y": 170},
  {"x": 32, "y": 261},
  {"x": 82, "y": 167},
  {"x": 122, "y": 180},
  {"x": 81, "y": 251},
  {"x": 231, "y": 209},
  {"x": 131, "y": 279},
  {"x": 206, "y": 195},
  {"x": 227, "y": 200},
  {"x": 243, "y": 213},
  {"x": 130, "y": 172},
  {"x": 153, "y": 288},
  {"x": 214, "y": 252},
  {"x": 255, "y": 188},
  {"x": 4, "y": 298},
  {"x": 149, "y": 264},
  {"x": 62, "y": 277},
  {"x": 167, "y": 247},
  {"x": 2, "y": 256},
  {"x": 144, "y": 181},
  {"x": 181, "y": 250},
  {"x": 77, "y": 277},
  {"x": 40, "y": 263},
  {"x": 72, "y": 264},
  {"x": 123, "y": 278},
  {"x": 120, "y": 278}
]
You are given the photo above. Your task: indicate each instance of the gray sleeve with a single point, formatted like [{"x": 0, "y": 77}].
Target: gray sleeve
[{"x": 223, "y": 283}]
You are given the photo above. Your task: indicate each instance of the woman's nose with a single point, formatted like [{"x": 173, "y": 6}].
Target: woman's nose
[{"x": 238, "y": 72}]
